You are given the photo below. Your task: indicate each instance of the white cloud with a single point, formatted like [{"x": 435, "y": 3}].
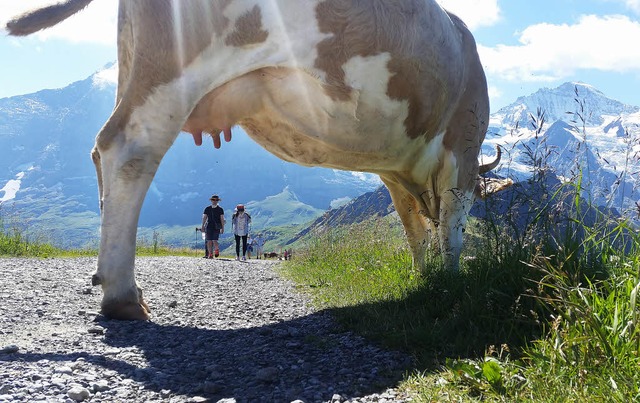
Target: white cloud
[
  {"x": 494, "y": 92},
  {"x": 95, "y": 24},
  {"x": 551, "y": 52},
  {"x": 630, "y": 4},
  {"x": 475, "y": 13},
  {"x": 106, "y": 77}
]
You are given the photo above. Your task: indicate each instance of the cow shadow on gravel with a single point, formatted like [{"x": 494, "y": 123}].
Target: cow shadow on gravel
[{"x": 305, "y": 358}]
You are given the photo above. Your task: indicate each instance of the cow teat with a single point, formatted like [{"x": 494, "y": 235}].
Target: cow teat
[{"x": 216, "y": 137}]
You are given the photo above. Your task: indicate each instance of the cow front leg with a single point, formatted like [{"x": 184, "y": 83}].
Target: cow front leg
[
  {"x": 414, "y": 222},
  {"x": 126, "y": 165},
  {"x": 454, "y": 207}
]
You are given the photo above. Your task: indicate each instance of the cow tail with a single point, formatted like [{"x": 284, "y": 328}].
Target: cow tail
[{"x": 45, "y": 17}]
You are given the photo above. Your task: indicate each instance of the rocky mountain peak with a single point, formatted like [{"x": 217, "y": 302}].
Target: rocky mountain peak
[{"x": 564, "y": 103}]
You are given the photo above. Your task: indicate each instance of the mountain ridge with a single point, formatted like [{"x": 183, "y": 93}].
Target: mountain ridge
[
  {"x": 598, "y": 136},
  {"x": 48, "y": 178}
]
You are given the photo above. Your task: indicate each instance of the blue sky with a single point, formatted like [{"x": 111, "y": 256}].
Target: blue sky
[{"x": 524, "y": 45}]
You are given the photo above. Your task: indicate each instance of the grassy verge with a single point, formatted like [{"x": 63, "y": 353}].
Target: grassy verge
[
  {"x": 529, "y": 325},
  {"x": 14, "y": 243}
]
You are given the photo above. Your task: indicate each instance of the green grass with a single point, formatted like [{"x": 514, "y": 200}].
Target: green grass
[
  {"x": 14, "y": 243},
  {"x": 555, "y": 321},
  {"x": 363, "y": 273}
]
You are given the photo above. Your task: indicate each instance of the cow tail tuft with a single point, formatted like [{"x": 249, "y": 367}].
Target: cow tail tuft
[{"x": 45, "y": 17}]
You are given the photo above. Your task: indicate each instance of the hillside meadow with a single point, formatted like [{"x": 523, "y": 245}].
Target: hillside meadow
[{"x": 546, "y": 313}]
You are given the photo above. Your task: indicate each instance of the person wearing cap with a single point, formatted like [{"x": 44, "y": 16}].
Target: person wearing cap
[
  {"x": 213, "y": 226},
  {"x": 240, "y": 223}
]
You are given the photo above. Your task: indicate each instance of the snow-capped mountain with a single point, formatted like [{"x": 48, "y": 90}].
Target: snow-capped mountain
[
  {"x": 557, "y": 102},
  {"x": 572, "y": 129}
]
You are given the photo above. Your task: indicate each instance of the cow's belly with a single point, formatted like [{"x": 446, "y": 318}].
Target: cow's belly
[
  {"x": 319, "y": 149},
  {"x": 291, "y": 115}
]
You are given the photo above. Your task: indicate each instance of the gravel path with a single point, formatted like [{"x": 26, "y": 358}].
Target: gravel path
[{"x": 221, "y": 331}]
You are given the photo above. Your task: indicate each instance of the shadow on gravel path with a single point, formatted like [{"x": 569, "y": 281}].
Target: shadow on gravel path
[{"x": 296, "y": 359}]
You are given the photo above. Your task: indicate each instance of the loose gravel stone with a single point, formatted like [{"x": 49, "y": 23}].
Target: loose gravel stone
[
  {"x": 78, "y": 393},
  {"x": 221, "y": 331}
]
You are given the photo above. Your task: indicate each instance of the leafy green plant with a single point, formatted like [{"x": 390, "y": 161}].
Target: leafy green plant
[{"x": 489, "y": 376}]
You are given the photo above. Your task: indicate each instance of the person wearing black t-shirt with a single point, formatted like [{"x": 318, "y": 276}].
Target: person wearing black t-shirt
[{"x": 213, "y": 226}]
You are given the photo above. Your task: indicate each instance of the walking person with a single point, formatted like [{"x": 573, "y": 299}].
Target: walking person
[
  {"x": 213, "y": 226},
  {"x": 250, "y": 247},
  {"x": 258, "y": 243},
  {"x": 240, "y": 223}
]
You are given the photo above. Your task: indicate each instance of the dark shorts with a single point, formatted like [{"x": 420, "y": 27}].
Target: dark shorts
[{"x": 212, "y": 234}]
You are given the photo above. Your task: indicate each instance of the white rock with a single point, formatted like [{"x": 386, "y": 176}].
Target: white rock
[
  {"x": 63, "y": 370},
  {"x": 78, "y": 393},
  {"x": 100, "y": 386}
]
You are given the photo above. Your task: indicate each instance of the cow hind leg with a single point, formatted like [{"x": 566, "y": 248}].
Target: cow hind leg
[
  {"x": 119, "y": 308},
  {"x": 127, "y": 156}
]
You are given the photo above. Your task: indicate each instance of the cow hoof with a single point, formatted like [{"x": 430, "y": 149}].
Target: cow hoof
[
  {"x": 126, "y": 310},
  {"x": 96, "y": 280}
]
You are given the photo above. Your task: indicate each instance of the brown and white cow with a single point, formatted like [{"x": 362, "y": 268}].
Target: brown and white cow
[{"x": 390, "y": 87}]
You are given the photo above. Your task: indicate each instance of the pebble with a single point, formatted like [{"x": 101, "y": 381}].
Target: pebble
[
  {"x": 221, "y": 331},
  {"x": 268, "y": 374},
  {"x": 78, "y": 393},
  {"x": 96, "y": 330},
  {"x": 100, "y": 386}
]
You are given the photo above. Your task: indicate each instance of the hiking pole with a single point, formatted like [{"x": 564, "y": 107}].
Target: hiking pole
[{"x": 204, "y": 240}]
